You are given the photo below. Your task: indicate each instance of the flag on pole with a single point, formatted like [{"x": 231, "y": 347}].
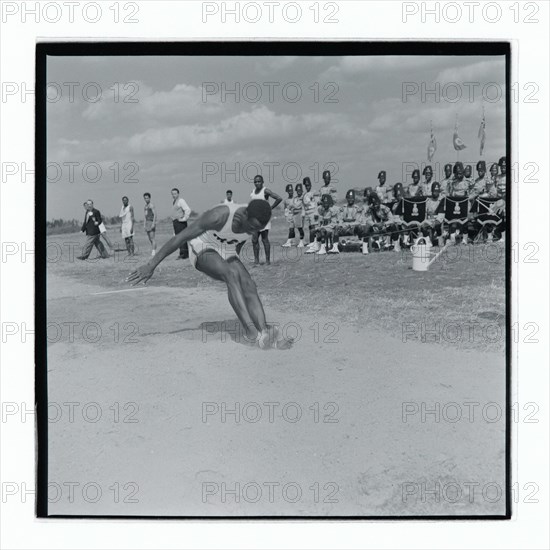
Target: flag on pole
[
  {"x": 458, "y": 144},
  {"x": 432, "y": 146},
  {"x": 481, "y": 135}
]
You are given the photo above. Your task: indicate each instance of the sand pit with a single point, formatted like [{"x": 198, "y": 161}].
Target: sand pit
[{"x": 321, "y": 429}]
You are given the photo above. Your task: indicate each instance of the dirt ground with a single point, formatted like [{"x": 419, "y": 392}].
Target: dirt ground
[{"x": 360, "y": 418}]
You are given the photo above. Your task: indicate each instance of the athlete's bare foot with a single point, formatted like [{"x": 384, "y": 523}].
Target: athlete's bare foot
[{"x": 271, "y": 338}]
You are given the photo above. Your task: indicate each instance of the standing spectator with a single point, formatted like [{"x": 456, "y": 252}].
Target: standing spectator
[
  {"x": 428, "y": 174},
  {"x": 480, "y": 184},
  {"x": 328, "y": 189},
  {"x": 180, "y": 214},
  {"x": 415, "y": 189},
  {"x": 102, "y": 230},
  {"x": 311, "y": 214},
  {"x": 260, "y": 192},
  {"x": 501, "y": 178},
  {"x": 92, "y": 221},
  {"x": 298, "y": 212},
  {"x": 382, "y": 190},
  {"x": 468, "y": 177},
  {"x": 127, "y": 227},
  {"x": 289, "y": 217},
  {"x": 150, "y": 221},
  {"x": 446, "y": 182},
  {"x": 228, "y": 197}
]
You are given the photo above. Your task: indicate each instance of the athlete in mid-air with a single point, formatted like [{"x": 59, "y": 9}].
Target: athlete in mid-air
[{"x": 215, "y": 240}]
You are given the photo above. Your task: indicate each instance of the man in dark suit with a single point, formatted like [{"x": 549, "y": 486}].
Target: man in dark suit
[{"x": 90, "y": 226}]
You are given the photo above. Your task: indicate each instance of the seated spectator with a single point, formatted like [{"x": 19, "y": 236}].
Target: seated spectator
[
  {"x": 328, "y": 216},
  {"x": 480, "y": 183},
  {"x": 311, "y": 205},
  {"x": 379, "y": 224},
  {"x": 447, "y": 180},
  {"x": 458, "y": 189},
  {"x": 398, "y": 221},
  {"x": 432, "y": 226},
  {"x": 348, "y": 218},
  {"x": 414, "y": 189},
  {"x": 427, "y": 185}
]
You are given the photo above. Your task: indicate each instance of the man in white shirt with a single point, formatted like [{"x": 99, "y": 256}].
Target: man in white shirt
[
  {"x": 180, "y": 214},
  {"x": 228, "y": 197}
]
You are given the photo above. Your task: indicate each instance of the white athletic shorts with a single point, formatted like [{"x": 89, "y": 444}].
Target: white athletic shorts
[
  {"x": 127, "y": 231},
  {"x": 197, "y": 245}
]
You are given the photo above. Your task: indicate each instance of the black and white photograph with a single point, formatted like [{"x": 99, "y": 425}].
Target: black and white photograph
[
  {"x": 274, "y": 275},
  {"x": 275, "y": 280}
]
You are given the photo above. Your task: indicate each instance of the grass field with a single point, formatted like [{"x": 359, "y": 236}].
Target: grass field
[{"x": 461, "y": 297}]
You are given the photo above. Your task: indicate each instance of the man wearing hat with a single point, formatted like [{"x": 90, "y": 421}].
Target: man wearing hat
[
  {"x": 328, "y": 214},
  {"x": 432, "y": 226},
  {"x": 298, "y": 212},
  {"x": 501, "y": 178},
  {"x": 382, "y": 189},
  {"x": 428, "y": 174},
  {"x": 459, "y": 185},
  {"x": 379, "y": 221},
  {"x": 328, "y": 189},
  {"x": 480, "y": 183},
  {"x": 348, "y": 219},
  {"x": 468, "y": 177},
  {"x": 294, "y": 214},
  {"x": 395, "y": 207},
  {"x": 415, "y": 189},
  {"x": 287, "y": 208},
  {"x": 311, "y": 204},
  {"x": 446, "y": 182}
]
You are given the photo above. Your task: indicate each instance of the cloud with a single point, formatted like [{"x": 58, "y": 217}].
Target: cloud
[
  {"x": 482, "y": 72},
  {"x": 258, "y": 125},
  {"x": 360, "y": 66},
  {"x": 141, "y": 104},
  {"x": 268, "y": 65}
]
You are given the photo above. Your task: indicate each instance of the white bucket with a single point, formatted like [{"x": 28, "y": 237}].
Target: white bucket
[{"x": 421, "y": 255}]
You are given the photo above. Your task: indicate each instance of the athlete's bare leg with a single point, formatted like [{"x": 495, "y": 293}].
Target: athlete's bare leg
[
  {"x": 213, "y": 265},
  {"x": 256, "y": 309},
  {"x": 252, "y": 300},
  {"x": 243, "y": 296}
]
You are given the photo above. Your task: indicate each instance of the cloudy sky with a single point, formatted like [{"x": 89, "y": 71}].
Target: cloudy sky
[{"x": 153, "y": 123}]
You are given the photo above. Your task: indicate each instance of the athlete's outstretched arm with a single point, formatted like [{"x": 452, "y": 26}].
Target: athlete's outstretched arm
[{"x": 211, "y": 219}]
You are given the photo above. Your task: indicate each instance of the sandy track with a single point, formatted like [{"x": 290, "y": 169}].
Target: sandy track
[{"x": 355, "y": 444}]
